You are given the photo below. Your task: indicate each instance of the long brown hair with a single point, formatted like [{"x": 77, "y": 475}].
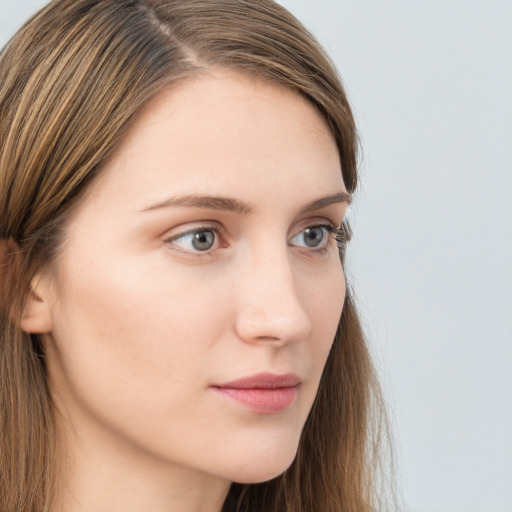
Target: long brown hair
[{"x": 72, "y": 82}]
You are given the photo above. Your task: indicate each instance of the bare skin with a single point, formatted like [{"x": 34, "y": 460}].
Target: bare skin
[{"x": 161, "y": 297}]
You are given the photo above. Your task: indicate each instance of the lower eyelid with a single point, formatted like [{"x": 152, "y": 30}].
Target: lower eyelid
[{"x": 331, "y": 232}]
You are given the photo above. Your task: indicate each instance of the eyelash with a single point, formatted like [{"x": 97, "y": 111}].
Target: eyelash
[
  {"x": 197, "y": 229},
  {"x": 340, "y": 234}
]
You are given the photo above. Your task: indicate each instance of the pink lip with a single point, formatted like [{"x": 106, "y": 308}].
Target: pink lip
[{"x": 264, "y": 393}]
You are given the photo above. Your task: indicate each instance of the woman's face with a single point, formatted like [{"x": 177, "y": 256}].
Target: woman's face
[{"x": 199, "y": 290}]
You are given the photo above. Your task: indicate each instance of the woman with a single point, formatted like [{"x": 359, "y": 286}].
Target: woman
[{"x": 176, "y": 329}]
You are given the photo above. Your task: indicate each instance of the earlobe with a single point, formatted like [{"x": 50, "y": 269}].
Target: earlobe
[{"x": 37, "y": 315}]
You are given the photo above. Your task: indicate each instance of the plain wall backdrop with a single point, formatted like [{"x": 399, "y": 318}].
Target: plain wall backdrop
[{"x": 430, "y": 83}]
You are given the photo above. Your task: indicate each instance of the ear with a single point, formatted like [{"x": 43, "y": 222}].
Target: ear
[{"x": 37, "y": 314}]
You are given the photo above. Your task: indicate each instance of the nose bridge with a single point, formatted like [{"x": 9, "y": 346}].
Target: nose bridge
[{"x": 269, "y": 303}]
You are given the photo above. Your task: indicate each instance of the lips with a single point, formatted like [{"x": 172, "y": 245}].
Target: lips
[{"x": 263, "y": 393}]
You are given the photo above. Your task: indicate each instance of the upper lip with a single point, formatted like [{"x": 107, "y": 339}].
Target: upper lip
[{"x": 263, "y": 381}]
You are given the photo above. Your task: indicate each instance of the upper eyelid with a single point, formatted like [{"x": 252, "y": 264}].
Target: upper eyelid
[
  {"x": 332, "y": 234},
  {"x": 219, "y": 228},
  {"x": 204, "y": 225},
  {"x": 313, "y": 222}
]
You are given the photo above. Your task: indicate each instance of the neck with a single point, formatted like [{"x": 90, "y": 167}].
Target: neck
[{"x": 101, "y": 473}]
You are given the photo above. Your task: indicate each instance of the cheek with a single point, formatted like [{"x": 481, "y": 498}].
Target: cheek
[
  {"x": 134, "y": 353},
  {"x": 325, "y": 307},
  {"x": 324, "y": 304},
  {"x": 122, "y": 334}
]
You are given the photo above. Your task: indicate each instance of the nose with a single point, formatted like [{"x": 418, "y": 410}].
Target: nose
[{"x": 269, "y": 308}]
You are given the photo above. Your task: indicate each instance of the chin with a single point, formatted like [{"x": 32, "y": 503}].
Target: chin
[{"x": 258, "y": 469}]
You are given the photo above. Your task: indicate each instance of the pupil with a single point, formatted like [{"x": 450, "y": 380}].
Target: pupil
[
  {"x": 313, "y": 236},
  {"x": 203, "y": 240}
]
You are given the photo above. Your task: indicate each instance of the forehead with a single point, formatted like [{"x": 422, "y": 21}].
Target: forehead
[{"x": 225, "y": 132}]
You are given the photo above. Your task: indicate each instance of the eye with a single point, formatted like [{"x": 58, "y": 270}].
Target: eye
[
  {"x": 197, "y": 240},
  {"x": 314, "y": 237}
]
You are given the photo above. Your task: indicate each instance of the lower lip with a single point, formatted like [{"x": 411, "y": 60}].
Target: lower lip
[{"x": 262, "y": 400}]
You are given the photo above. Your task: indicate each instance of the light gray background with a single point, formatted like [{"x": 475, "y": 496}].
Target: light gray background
[{"x": 431, "y": 86}]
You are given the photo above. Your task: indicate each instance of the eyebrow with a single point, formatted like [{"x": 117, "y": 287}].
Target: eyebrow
[
  {"x": 205, "y": 202},
  {"x": 317, "y": 204},
  {"x": 237, "y": 206}
]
